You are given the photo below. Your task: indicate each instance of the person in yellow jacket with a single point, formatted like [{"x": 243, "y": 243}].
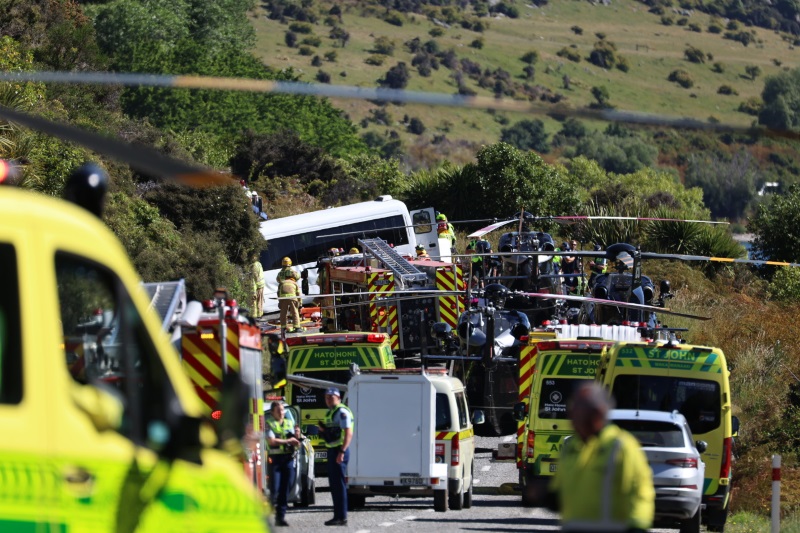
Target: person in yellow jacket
[
  {"x": 287, "y": 271},
  {"x": 257, "y": 274},
  {"x": 289, "y": 291},
  {"x": 603, "y": 482}
]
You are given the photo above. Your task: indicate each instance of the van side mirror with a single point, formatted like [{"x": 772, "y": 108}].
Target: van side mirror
[
  {"x": 520, "y": 411},
  {"x": 478, "y": 417},
  {"x": 735, "y": 426},
  {"x": 701, "y": 445}
]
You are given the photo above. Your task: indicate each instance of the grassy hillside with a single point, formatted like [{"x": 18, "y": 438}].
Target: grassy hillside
[{"x": 652, "y": 49}]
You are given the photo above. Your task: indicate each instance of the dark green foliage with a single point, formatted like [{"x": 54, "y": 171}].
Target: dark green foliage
[
  {"x": 507, "y": 9},
  {"x": 577, "y": 30},
  {"x": 323, "y": 77},
  {"x": 394, "y": 18},
  {"x": 776, "y": 225},
  {"x": 375, "y": 60},
  {"x": 682, "y": 78},
  {"x": 695, "y": 27},
  {"x": 751, "y": 106},
  {"x": 301, "y": 27},
  {"x": 569, "y": 53},
  {"x": 623, "y": 64},
  {"x": 728, "y": 183},
  {"x": 290, "y": 38},
  {"x": 667, "y": 21},
  {"x": 727, "y": 89},
  {"x": 526, "y": 135},
  {"x": 330, "y": 56},
  {"x": 305, "y": 51},
  {"x": 744, "y": 37},
  {"x": 714, "y": 28},
  {"x": 683, "y": 21},
  {"x": 601, "y": 95},
  {"x": 416, "y": 126},
  {"x": 477, "y": 43},
  {"x": 621, "y": 155},
  {"x": 316, "y": 61},
  {"x": 530, "y": 57},
  {"x": 604, "y": 54},
  {"x": 753, "y": 71},
  {"x": 340, "y": 35},
  {"x": 436, "y": 32},
  {"x": 694, "y": 55},
  {"x": 574, "y": 129},
  {"x": 396, "y": 77},
  {"x": 718, "y": 67},
  {"x": 781, "y": 96},
  {"x": 383, "y": 45},
  {"x": 311, "y": 40}
]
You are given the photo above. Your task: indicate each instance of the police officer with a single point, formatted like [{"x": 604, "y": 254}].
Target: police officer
[
  {"x": 289, "y": 290},
  {"x": 337, "y": 431},
  {"x": 603, "y": 482},
  {"x": 283, "y": 438}
]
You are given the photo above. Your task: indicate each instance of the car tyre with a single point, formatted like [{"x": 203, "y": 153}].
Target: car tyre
[
  {"x": 468, "y": 493},
  {"x": 440, "y": 500},
  {"x": 692, "y": 525},
  {"x": 716, "y": 518}
]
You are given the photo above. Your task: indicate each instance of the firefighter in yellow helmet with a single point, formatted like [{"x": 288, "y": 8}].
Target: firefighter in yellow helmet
[
  {"x": 289, "y": 303},
  {"x": 354, "y": 250},
  {"x": 286, "y": 271}
]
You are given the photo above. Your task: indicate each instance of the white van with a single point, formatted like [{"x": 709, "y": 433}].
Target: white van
[
  {"x": 306, "y": 237},
  {"x": 413, "y": 437}
]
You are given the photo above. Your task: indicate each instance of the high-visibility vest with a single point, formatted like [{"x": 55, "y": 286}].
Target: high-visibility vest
[
  {"x": 286, "y": 273},
  {"x": 333, "y": 434},
  {"x": 288, "y": 288},
  {"x": 282, "y": 430}
]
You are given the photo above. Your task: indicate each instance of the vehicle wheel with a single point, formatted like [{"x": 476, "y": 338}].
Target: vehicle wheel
[
  {"x": 456, "y": 500},
  {"x": 440, "y": 500},
  {"x": 716, "y": 518},
  {"x": 692, "y": 525},
  {"x": 468, "y": 493},
  {"x": 356, "y": 501}
]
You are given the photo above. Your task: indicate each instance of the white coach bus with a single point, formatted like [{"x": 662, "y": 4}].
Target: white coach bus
[{"x": 306, "y": 237}]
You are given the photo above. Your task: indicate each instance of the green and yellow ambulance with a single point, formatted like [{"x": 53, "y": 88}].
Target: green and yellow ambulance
[{"x": 693, "y": 380}]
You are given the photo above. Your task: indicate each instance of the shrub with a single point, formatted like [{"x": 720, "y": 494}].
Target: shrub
[
  {"x": 718, "y": 67},
  {"x": 733, "y": 25},
  {"x": 394, "y": 18},
  {"x": 623, "y": 64},
  {"x": 436, "y": 32},
  {"x": 727, "y": 89},
  {"x": 290, "y": 38},
  {"x": 577, "y": 30},
  {"x": 300, "y": 27},
  {"x": 477, "y": 43},
  {"x": 683, "y": 21},
  {"x": 323, "y": 77},
  {"x": 375, "y": 60},
  {"x": 695, "y": 27},
  {"x": 416, "y": 126},
  {"x": 316, "y": 61},
  {"x": 530, "y": 57},
  {"x": 657, "y": 10},
  {"x": 682, "y": 78},
  {"x": 383, "y": 45},
  {"x": 751, "y": 106},
  {"x": 604, "y": 54},
  {"x": 694, "y": 55},
  {"x": 330, "y": 56},
  {"x": 396, "y": 77},
  {"x": 306, "y": 51},
  {"x": 311, "y": 40},
  {"x": 667, "y": 21},
  {"x": 714, "y": 28},
  {"x": 569, "y": 53},
  {"x": 744, "y": 37},
  {"x": 600, "y": 35}
]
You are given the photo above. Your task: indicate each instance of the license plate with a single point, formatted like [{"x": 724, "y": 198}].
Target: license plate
[
  {"x": 320, "y": 455},
  {"x": 412, "y": 481},
  {"x": 554, "y": 467}
]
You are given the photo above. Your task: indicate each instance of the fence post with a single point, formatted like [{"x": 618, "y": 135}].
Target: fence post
[{"x": 776, "y": 494}]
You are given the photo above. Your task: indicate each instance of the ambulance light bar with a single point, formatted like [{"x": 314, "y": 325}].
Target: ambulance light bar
[
  {"x": 578, "y": 345},
  {"x": 337, "y": 338}
]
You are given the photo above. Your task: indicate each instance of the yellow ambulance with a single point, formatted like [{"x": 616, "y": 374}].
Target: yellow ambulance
[
  {"x": 693, "y": 380},
  {"x": 116, "y": 443}
]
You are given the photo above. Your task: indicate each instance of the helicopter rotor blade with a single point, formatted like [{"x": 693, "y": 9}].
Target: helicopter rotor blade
[
  {"x": 144, "y": 159},
  {"x": 488, "y": 229},
  {"x": 681, "y": 257},
  {"x": 613, "y": 303}
]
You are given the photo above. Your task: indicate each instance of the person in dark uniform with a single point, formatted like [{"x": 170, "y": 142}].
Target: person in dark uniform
[
  {"x": 283, "y": 438},
  {"x": 337, "y": 431}
]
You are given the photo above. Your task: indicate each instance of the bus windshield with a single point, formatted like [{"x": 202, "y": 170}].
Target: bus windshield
[{"x": 307, "y": 247}]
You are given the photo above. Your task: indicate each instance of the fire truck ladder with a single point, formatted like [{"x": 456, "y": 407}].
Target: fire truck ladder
[{"x": 403, "y": 270}]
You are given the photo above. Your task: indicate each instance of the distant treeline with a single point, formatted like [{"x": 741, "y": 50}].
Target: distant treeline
[{"x": 775, "y": 15}]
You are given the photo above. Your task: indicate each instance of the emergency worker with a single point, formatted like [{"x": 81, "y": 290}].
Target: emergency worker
[
  {"x": 603, "y": 482},
  {"x": 286, "y": 271},
  {"x": 283, "y": 439},
  {"x": 337, "y": 431},
  {"x": 290, "y": 290},
  {"x": 597, "y": 266},
  {"x": 422, "y": 253},
  {"x": 354, "y": 250},
  {"x": 446, "y": 230},
  {"x": 257, "y": 274}
]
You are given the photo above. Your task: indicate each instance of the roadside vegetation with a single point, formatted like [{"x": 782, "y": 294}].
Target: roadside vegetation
[{"x": 306, "y": 153}]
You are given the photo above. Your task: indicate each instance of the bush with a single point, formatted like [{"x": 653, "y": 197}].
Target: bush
[
  {"x": 306, "y": 51},
  {"x": 744, "y": 37},
  {"x": 695, "y": 27},
  {"x": 694, "y": 55},
  {"x": 569, "y": 53},
  {"x": 751, "y": 106},
  {"x": 577, "y": 30},
  {"x": 683, "y": 21},
  {"x": 530, "y": 57},
  {"x": 727, "y": 89},
  {"x": 682, "y": 78},
  {"x": 416, "y": 126},
  {"x": 715, "y": 28},
  {"x": 477, "y": 43},
  {"x": 604, "y": 54},
  {"x": 383, "y": 45},
  {"x": 600, "y": 35},
  {"x": 667, "y": 21},
  {"x": 394, "y": 18},
  {"x": 623, "y": 64},
  {"x": 312, "y": 40},
  {"x": 316, "y": 61},
  {"x": 300, "y": 27},
  {"x": 718, "y": 67},
  {"x": 330, "y": 56},
  {"x": 323, "y": 77},
  {"x": 396, "y": 77},
  {"x": 436, "y": 32},
  {"x": 375, "y": 60},
  {"x": 290, "y": 39}
]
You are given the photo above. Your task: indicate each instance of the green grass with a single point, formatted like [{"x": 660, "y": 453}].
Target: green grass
[
  {"x": 752, "y": 523},
  {"x": 654, "y": 50}
]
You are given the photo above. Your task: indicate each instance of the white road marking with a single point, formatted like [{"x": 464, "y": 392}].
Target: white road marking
[
  {"x": 476, "y": 481},
  {"x": 510, "y": 438},
  {"x": 429, "y": 510},
  {"x": 486, "y": 468},
  {"x": 363, "y": 531},
  {"x": 412, "y": 517},
  {"x": 386, "y": 524}
]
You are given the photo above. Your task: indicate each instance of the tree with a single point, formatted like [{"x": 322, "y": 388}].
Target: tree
[
  {"x": 601, "y": 95},
  {"x": 776, "y": 225},
  {"x": 729, "y": 184},
  {"x": 781, "y": 96},
  {"x": 340, "y": 35},
  {"x": 526, "y": 135},
  {"x": 753, "y": 71},
  {"x": 396, "y": 77}
]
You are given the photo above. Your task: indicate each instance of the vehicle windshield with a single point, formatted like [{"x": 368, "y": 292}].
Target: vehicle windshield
[
  {"x": 554, "y": 396},
  {"x": 652, "y": 433},
  {"x": 697, "y": 399}
]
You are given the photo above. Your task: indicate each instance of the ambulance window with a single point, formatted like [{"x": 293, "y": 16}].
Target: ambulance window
[
  {"x": 107, "y": 345},
  {"x": 444, "y": 420},
  {"x": 463, "y": 419},
  {"x": 422, "y": 222},
  {"x": 10, "y": 329}
]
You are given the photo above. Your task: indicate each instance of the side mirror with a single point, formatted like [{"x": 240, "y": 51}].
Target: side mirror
[
  {"x": 478, "y": 417},
  {"x": 312, "y": 430},
  {"x": 520, "y": 411},
  {"x": 701, "y": 445},
  {"x": 735, "y": 426}
]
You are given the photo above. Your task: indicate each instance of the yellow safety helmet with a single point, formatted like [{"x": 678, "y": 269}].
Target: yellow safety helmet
[
  {"x": 286, "y": 262},
  {"x": 354, "y": 250}
]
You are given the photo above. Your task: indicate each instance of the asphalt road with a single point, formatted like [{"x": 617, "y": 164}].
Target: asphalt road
[{"x": 495, "y": 507}]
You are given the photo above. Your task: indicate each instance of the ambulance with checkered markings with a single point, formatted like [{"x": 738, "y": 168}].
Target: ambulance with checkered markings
[{"x": 414, "y": 437}]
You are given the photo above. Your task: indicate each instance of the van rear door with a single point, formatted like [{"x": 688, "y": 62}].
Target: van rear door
[{"x": 424, "y": 221}]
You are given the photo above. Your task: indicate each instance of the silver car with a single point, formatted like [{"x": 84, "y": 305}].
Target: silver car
[{"x": 674, "y": 457}]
